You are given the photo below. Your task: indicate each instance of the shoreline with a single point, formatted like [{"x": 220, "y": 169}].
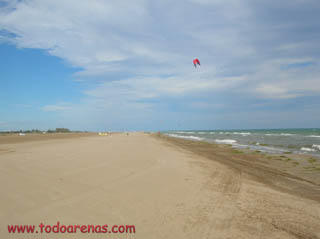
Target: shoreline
[
  {"x": 298, "y": 174},
  {"x": 166, "y": 188},
  {"x": 273, "y": 141}
]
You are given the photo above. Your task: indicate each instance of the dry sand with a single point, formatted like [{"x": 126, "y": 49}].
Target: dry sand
[
  {"x": 166, "y": 188},
  {"x": 16, "y": 138}
]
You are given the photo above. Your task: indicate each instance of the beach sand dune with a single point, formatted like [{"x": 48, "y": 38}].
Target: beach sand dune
[{"x": 164, "y": 190}]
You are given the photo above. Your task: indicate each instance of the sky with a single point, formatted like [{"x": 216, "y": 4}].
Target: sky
[{"x": 127, "y": 65}]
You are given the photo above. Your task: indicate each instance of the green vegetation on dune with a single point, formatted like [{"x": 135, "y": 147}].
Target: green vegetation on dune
[
  {"x": 312, "y": 160},
  {"x": 295, "y": 163},
  {"x": 235, "y": 151}
]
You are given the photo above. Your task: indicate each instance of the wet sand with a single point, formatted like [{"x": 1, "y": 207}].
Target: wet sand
[
  {"x": 294, "y": 173},
  {"x": 167, "y": 188}
]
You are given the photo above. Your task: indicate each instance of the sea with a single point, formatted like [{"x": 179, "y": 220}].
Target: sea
[{"x": 300, "y": 141}]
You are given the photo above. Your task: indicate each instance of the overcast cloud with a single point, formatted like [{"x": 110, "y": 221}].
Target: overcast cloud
[{"x": 256, "y": 57}]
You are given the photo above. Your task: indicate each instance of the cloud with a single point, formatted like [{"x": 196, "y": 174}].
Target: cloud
[
  {"x": 277, "y": 79},
  {"x": 138, "y": 54},
  {"x": 85, "y": 34},
  {"x": 154, "y": 87},
  {"x": 56, "y": 108}
]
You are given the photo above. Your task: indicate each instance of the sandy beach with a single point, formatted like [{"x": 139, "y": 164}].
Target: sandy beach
[{"x": 166, "y": 188}]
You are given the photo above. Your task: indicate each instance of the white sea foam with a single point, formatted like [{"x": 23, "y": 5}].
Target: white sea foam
[
  {"x": 317, "y": 146},
  {"x": 307, "y": 149},
  {"x": 225, "y": 141},
  {"x": 184, "y": 137},
  {"x": 314, "y": 136},
  {"x": 281, "y": 134},
  {"x": 240, "y": 146},
  {"x": 243, "y": 134}
]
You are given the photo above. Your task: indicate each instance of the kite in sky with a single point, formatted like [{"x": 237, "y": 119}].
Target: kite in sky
[{"x": 196, "y": 62}]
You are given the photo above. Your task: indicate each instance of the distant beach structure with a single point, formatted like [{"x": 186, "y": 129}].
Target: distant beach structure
[{"x": 103, "y": 133}]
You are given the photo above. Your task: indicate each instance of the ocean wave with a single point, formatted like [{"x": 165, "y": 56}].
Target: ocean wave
[
  {"x": 225, "y": 141},
  {"x": 281, "y": 134},
  {"x": 317, "y": 146},
  {"x": 313, "y": 136},
  {"x": 243, "y": 133},
  {"x": 184, "y": 137},
  {"x": 307, "y": 149}
]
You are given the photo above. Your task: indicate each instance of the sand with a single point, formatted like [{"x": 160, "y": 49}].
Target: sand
[
  {"x": 166, "y": 188},
  {"x": 16, "y": 138}
]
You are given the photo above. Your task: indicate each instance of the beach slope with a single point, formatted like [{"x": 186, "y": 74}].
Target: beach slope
[{"x": 162, "y": 188}]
